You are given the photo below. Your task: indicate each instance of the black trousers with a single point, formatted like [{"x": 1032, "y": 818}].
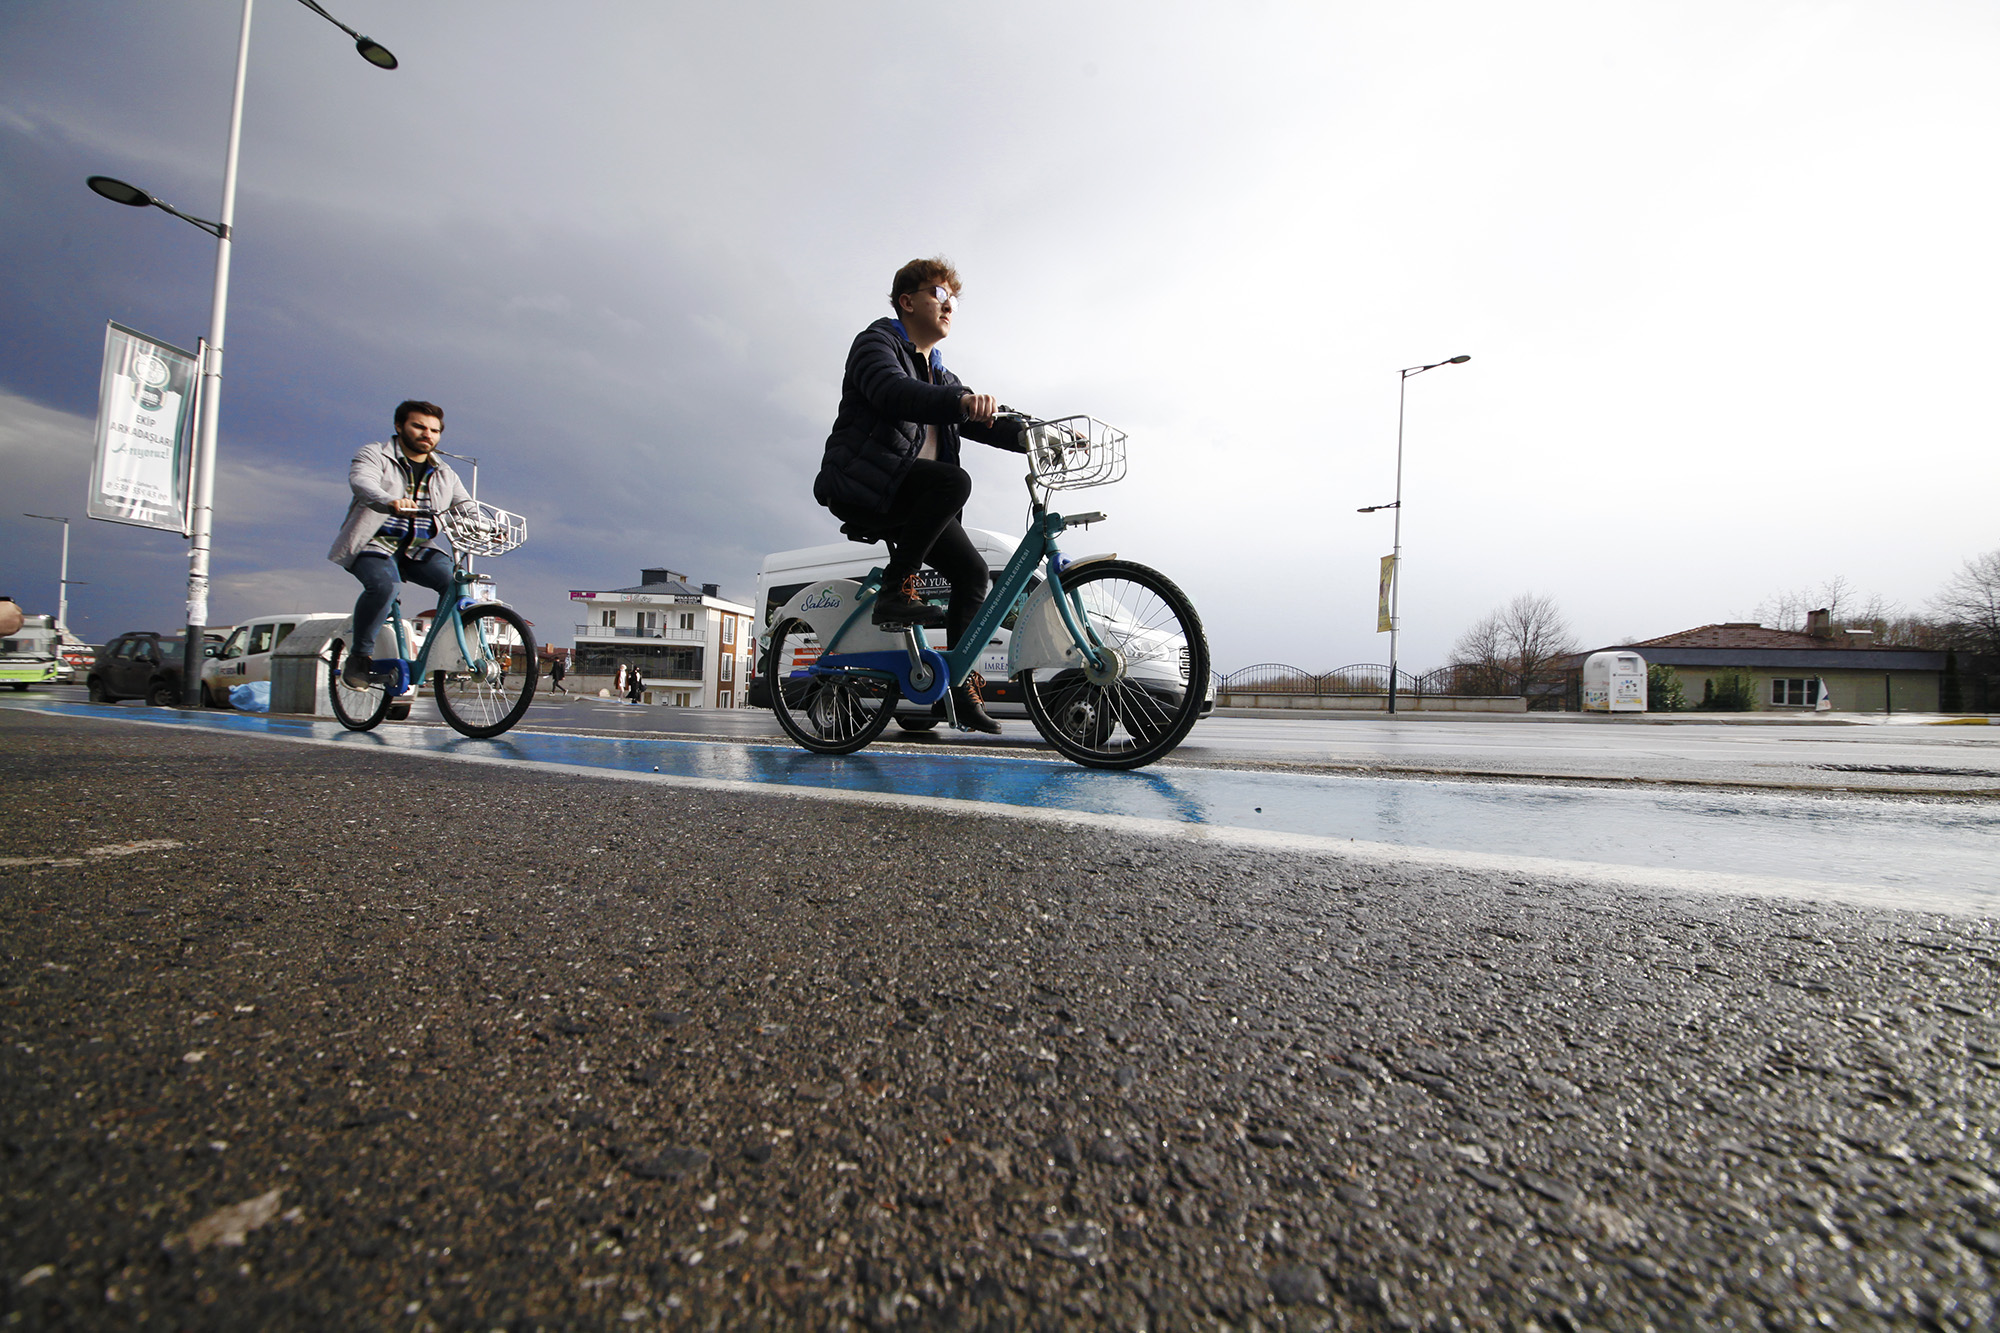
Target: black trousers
[{"x": 923, "y": 529}]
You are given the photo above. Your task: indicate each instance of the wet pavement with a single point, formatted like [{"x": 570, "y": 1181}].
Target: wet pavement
[
  {"x": 1932, "y": 853},
  {"x": 308, "y": 1036}
]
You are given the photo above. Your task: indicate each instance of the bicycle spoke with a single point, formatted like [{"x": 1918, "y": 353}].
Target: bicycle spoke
[{"x": 1147, "y": 694}]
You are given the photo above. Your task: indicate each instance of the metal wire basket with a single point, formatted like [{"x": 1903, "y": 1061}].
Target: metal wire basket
[
  {"x": 1074, "y": 452},
  {"x": 480, "y": 529}
]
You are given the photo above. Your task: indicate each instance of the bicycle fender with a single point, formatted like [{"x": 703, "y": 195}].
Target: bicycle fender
[
  {"x": 1040, "y": 639},
  {"x": 830, "y": 604}
]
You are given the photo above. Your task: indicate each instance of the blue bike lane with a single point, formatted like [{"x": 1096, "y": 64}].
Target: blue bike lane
[{"x": 1917, "y": 853}]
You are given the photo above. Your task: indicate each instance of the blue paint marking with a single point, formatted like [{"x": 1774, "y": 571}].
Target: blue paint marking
[{"x": 1885, "y": 844}]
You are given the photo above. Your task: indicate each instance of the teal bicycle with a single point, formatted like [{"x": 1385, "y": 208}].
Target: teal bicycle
[
  {"x": 1109, "y": 655},
  {"x": 479, "y": 656}
]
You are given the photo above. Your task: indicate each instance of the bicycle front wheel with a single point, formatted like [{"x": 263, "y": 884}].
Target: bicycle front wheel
[
  {"x": 491, "y": 690},
  {"x": 835, "y": 714},
  {"x": 358, "y": 710},
  {"x": 1143, "y": 702}
]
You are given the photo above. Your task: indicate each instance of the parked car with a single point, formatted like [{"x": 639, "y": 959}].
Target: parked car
[
  {"x": 141, "y": 665},
  {"x": 246, "y": 653}
]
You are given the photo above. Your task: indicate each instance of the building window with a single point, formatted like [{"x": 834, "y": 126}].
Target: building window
[
  {"x": 723, "y": 700},
  {"x": 687, "y": 620},
  {"x": 729, "y": 629},
  {"x": 649, "y": 623},
  {"x": 657, "y": 661},
  {"x": 607, "y": 619},
  {"x": 1795, "y": 692},
  {"x": 728, "y": 667}
]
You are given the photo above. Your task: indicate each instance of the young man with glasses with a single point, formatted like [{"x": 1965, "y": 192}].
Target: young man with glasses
[
  {"x": 891, "y": 463},
  {"x": 399, "y": 488}
]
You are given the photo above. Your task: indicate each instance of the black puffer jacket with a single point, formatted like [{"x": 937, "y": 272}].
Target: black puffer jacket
[{"x": 887, "y": 397}]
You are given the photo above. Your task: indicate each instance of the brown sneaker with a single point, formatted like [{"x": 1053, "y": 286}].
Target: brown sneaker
[
  {"x": 972, "y": 714},
  {"x": 899, "y": 604}
]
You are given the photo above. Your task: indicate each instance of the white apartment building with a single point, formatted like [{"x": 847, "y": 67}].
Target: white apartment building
[{"x": 691, "y": 646}]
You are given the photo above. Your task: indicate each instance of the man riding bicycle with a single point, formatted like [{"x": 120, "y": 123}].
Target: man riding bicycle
[
  {"x": 399, "y": 489},
  {"x": 891, "y": 464}
]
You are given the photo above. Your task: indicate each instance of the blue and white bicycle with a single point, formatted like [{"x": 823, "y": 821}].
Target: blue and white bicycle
[
  {"x": 479, "y": 656},
  {"x": 1110, "y": 655}
]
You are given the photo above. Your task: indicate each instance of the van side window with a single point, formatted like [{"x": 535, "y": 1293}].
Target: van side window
[
  {"x": 234, "y": 648},
  {"x": 775, "y": 599},
  {"x": 260, "y": 638},
  {"x": 283, "y": 630}
]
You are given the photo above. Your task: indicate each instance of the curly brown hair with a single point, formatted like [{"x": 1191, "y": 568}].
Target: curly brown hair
[{"x": 933, "y": 272}]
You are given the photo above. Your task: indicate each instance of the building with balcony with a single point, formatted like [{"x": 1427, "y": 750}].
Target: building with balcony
[{"x": 691, "y": 646}]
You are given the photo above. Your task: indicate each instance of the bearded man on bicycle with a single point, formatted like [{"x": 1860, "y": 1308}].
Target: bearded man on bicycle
[
  {"x": 399, "y": 489},
  {"x": 891, "y": 469}
]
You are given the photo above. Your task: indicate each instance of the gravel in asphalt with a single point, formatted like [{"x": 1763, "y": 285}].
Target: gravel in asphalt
[{"x": 298, "y": 1038}]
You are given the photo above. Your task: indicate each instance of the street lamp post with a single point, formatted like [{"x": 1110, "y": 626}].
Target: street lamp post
[
  {"x": 62, "y": 579},
  {"x": 467, "y": 458},
  {"x": 1396, "y": 552},
  {"x": 202, "y": 518}
]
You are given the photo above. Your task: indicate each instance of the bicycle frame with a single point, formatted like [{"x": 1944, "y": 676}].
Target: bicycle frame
[
  {"x": 413, "y": 672},
  {"x": 924, "y": 673}
]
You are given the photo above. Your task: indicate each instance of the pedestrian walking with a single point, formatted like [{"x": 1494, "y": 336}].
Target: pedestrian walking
[
  {"x": 557, "y": 670},
  {"x": 635, "y": 688}
]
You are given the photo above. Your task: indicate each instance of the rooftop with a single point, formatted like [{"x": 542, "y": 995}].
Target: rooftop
[{"x": 1748, "y": 634}]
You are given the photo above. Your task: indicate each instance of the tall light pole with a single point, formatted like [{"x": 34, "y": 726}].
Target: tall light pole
[
  {"x": 1396, "y": 552},
  {"x": 467, "y": 458},
  {"x": 119, "y": 192},
  {"x": 62, "y": 579}
]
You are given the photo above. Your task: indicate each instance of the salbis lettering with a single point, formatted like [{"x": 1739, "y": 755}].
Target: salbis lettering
[{"x": 826, "y": 599}]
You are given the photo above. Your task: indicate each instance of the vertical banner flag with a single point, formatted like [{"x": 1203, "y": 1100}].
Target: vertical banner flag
[
  {"x": 1382, "y": 619},
  {"x": 145, "y": 432}
]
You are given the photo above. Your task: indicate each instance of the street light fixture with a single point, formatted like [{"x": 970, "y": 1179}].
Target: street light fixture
[
  {"x": 62, "y": 579},
  {"x": 119, "y": 192},
  {"x": 467, "y": 458},
  {"x": 1396, "y": 553}
]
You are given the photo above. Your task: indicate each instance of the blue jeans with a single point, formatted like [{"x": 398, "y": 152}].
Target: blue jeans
[{"x": 378, "y": 573}]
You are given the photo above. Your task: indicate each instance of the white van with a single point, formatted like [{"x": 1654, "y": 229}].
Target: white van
[
  {"x": 784, "y": 573},
  {"x": 246, "y": 654}
]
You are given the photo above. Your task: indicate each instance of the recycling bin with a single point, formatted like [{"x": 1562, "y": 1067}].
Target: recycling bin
[{"x": 1614, "y": 683}]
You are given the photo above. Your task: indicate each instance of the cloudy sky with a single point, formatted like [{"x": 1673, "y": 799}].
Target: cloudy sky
[{"x": 1725, "y": 272}]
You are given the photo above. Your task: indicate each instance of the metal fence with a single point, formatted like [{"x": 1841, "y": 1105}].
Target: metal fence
[{"x": 1357, "y": 678}]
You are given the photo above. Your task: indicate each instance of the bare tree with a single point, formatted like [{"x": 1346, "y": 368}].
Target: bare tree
[
  {"x": 1846, "y": 605},
  {"x": 1969, "y": 604},
  {"x": 1513, "y": 648},
  {"x": 1480, "y": 656}
]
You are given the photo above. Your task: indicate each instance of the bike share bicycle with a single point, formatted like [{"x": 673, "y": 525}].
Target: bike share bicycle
[
  {"x": 468, "y": 651},
  {"x": 1110, "y": 654}
]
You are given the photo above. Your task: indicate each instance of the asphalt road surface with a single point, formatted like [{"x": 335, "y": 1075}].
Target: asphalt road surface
[{"x": 300, "y": 1037}]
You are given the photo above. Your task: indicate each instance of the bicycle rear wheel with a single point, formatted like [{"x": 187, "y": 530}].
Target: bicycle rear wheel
[
  {"x": 835, "y": 714},
  {"x": 358, "y": 710},
  {"x": 492, "y": 689},
  {"x": 1142, "y": 706}
]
